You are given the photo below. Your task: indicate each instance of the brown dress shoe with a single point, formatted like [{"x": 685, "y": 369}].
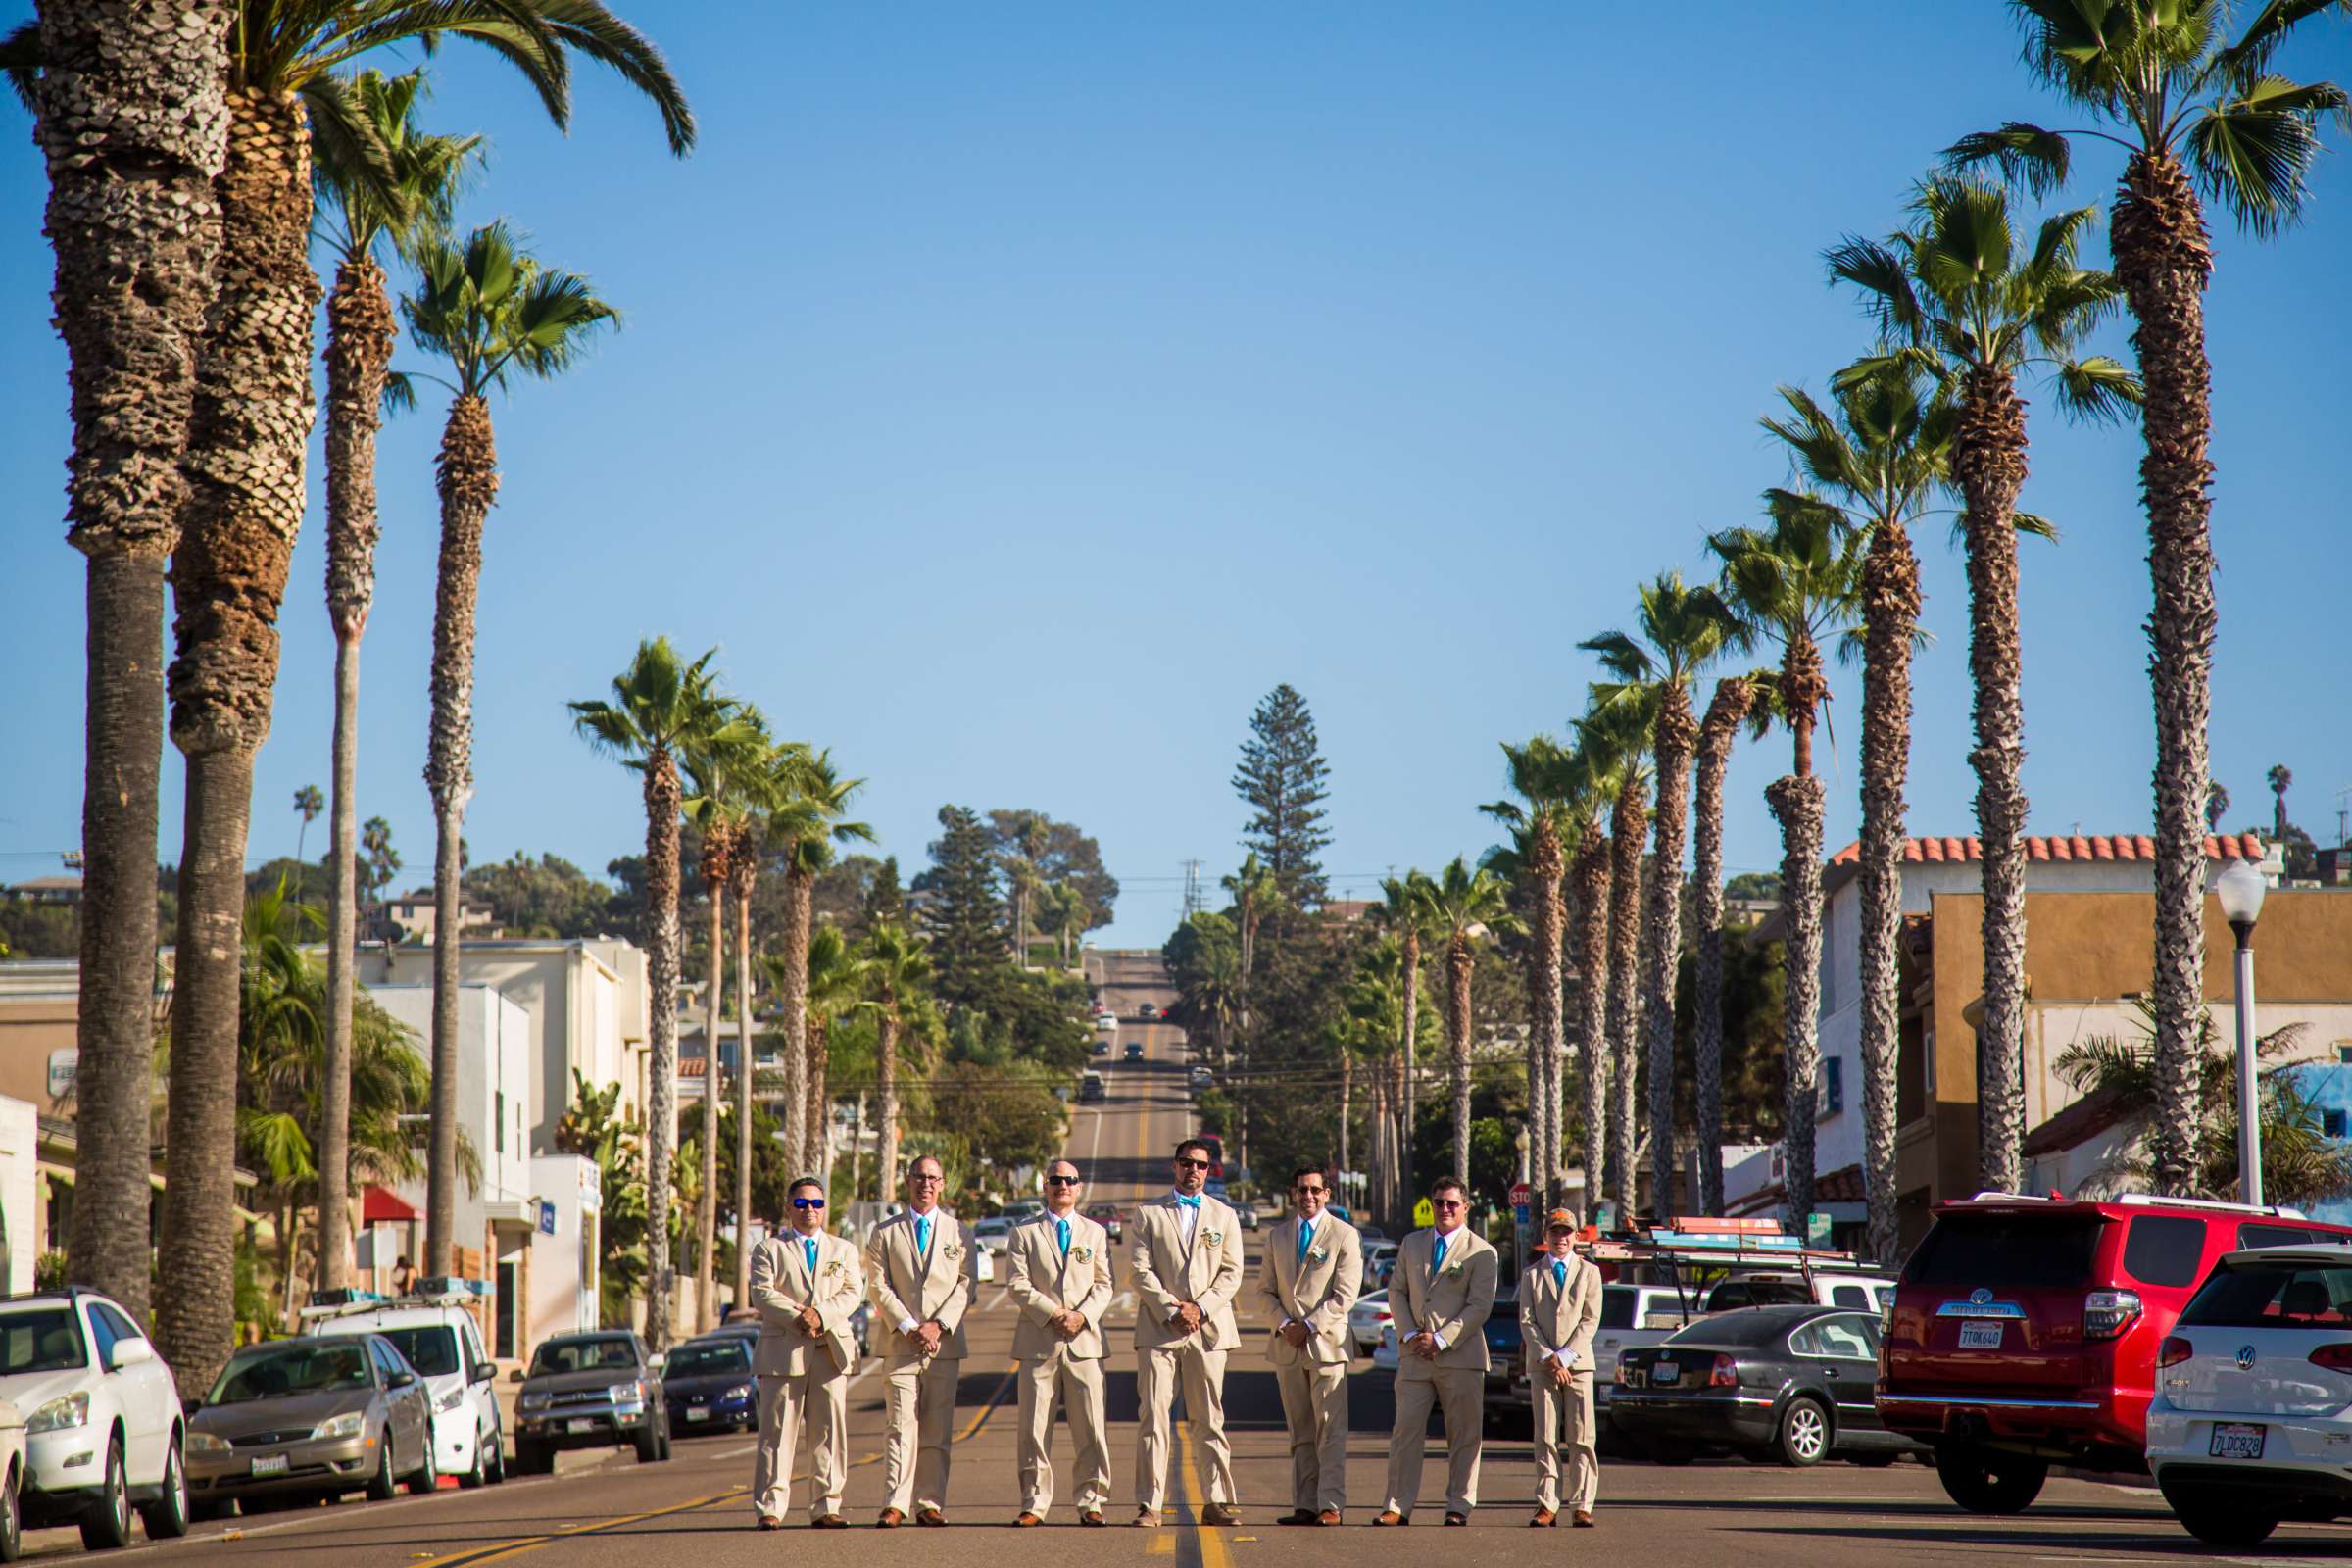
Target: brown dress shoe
[
  {"x": 1026, "y": 1520},
  {"x": 930, "y": 1518},
  {"x": 1091, "y": 1518},
  {"x": 1583, "y": 1518},
  {"x": 1329, "y": 1516},
  {"x": 1297, "y": 1516},
  {"x": 828, "y": 1520},
  {"x": 1457, "y": 1518},
  {"x": 1218, "y": 1513},
  {"x": 1145, "y": 1519},
  {"x": 1544, "y": 1517},
  {"x": 891, "y": 1519},
  {"x": 1390, "y": 1516}
]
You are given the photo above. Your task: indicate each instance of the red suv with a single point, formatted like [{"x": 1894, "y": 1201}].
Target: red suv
[{"x": 2024, "y": 1330}]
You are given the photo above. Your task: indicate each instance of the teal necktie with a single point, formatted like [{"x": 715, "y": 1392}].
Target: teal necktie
[
  {"x": 1560, "y": 1274},
  {"x": 809, "y": 1244},
  {"x": 1061, "y": 1228},
  {"x": 1307, "y": 1239},
  {"x": 1437, "y": 1253},
  {"x": 922, "y": 1236}
]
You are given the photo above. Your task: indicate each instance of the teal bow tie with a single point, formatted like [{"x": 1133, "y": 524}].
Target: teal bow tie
[{"x": 1183, "y": 1201}]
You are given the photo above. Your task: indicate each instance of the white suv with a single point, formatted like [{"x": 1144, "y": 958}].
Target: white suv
[
  {"x": 441, "y": 1342},
  {"x": 102, "y": 1418}
]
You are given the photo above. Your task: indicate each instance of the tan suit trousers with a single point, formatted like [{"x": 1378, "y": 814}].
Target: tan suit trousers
[
  {"x": 1564, "y": 1430},
  {"x": 1460, "y": 1392},
  {"x": 1078, "y": 1386},
  {"x": 1201, "y": 1372},
  {"x": 1314, "y": 1407},
  {"x": 819, "y": 1396},
  {"x": 922, "y": 1418}
]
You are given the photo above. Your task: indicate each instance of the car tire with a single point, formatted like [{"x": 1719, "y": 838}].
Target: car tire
[
  {"x": 105, "y": 1523},
  {"x": 166, "y": 1517},
  {"x": 1983, "y": 1482},
  {"x": 2222, "y": 1525},
  {"x": 427, "y": 1479},
  {"x": 12, "y": 1518},
  {"x": 1804, "y": 1433},
  {"x": 498, "y": 1456},
  {"x": 648, "y": 1444},
  {"x": 383, "y": 1485},
  {"x": 479, "y": 1473}
]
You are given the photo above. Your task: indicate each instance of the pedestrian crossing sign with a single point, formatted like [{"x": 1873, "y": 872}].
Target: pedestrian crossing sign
[{"x": 1425, "y": 1213}]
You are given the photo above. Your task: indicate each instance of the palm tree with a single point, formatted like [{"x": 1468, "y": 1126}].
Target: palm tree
[
  {"x": 1878, "y": 452},
  {"x": 1066, "y": 913},
  {"x": 1465, "y": 906},
  {"x": 493, "y": 311},
  {"x": 1404, "y": 913},
  {"x": 1591, "y": 876},
  {"x": 2196, "y": 116},
  {"x": 1972, "y": 306},
  {"x": 662, "y": 707},
  {"x": 1680, "y": 631},
  {"x": 1373, "y": 1000},
  {"x": 1738, "y": 699},
  {"x": 133, "y": 134},
  {"x": 1029, "y": 833},
  {"x": 1615, "y": 737},
  {"x": 2279, "y": 780},
  {"x": 896, "y": 972},
  {"x": 400, "y": 190},
  {"x": 2216, "y": 806},
  {"x": 838, "y": 979},
  {"x": 810, "y": 816},
  {"x": 1794, "y": 583},
  {"x": 308, "y": 803}
]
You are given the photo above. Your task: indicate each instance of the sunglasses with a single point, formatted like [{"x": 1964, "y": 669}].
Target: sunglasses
[
  {"x": 1310, "y": 1192},
  {"x": 1194, "y": 1164},
  {"x": 808, "y": 1203},
  {"x": 1451, "y": 1202},
  {"x": 925, "y": 1176},
  {"x": 1062, "y": 1181}
]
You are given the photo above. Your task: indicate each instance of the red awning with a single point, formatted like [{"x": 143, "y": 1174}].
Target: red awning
[{"x": 380, "y": 1207}]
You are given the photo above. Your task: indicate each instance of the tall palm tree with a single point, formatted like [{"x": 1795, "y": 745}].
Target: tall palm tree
[
  {"x": 2197, "y": 116},
  {"x": 1465, "y": 907},
  {"x": 1030, "y": 833},
  {"x": 1878, "y": 452},
  {"x": 1961, "y": 298},
  {"x": 662, "y": 707},
  {"x": 1680, "y": 630},
  {"x": 810, "y": 816},
  {"x": 400, "y": 193},
  {"x": 1066, "y": 911},
  {"x": 838, "y": 982},
  {"x": 1404, "y": 913},
  {"x": 2280, "y": 780},
  {"x": 1590, "y": 877},
  {"x": 1738, "y": 699},
  {"x": 1615, "y": 736},
  {"x": 1794, "y": 583},
  {"x": 896, "y": 972},
  {"x": 1373, "y": 1000},
  {"x": 494, "y": 312}
]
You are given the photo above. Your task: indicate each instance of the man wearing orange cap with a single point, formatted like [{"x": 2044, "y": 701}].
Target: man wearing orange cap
[{"x": 1559, "y": 1307}]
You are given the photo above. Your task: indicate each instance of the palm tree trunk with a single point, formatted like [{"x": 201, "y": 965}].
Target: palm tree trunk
[
  {"x": 1891, "y": 601},
  {"x": 1408, "y": 1064},
  {"x": 359, "y": 345},
  {"x": 1347, "y": 1098},
  {"x": 1547, "y": 867},
  {"x": 1458, "y": 960},
  {"x": 1676, "y": 732},
  {"x": 468, "y": 481},
  {"x": 819, "y": 1127},
  {"x": 2163, "y": 259},
  {"x": 662, "y": 802},
  {"x": 706, "y": 1268},
  {"x": 1716, "y": 732},
  {"x": 1988, "y": 460},
  {"x": 793, "y": 1004},
  {"x": 886, "y": 1060},
  {"x": 1592, "y": 896},
  {"x": 1629, "y": 823},
  {"x": 745, "y": 1075},
  {"x": 132, "y": 117},
  {"x": 1797, "y": 803}
]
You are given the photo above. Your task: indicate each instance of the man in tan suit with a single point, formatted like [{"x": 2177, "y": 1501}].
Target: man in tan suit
[
  {"x": 1062, "y": 1283},
  {"x": 1439, "y": 1297},
  {"x": 1308, "y": 1276},
  {"x": 923, "y": 1268},
  {"x": 1187, "y": 1269},
  {"x": 806, "y": 1284},
  {"x": 1559, "y": 1307}
]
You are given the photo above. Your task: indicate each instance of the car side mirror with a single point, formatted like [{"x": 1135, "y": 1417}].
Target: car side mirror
[
  {"x": 483, "y": 1372},
  {"x": 656, "y": 1361},
  {"x": 401, "y": 1380},
  {"x": 129, "y": 1353},
  {"x": 514, "y": 1376}
]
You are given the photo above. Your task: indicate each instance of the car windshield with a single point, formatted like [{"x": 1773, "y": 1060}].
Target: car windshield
[
  {"x": 273, "y": 1371},
  {"x": 1965, "y": 1252},
  {"x": 709, "y": 1357},
  {"x": 558, "y": 1356},
  {"x": 431, "y": 1347},
  {"x": 47, "y": 1340},
  {"x": 1736, "y": 1328},
  {"x": 2269, "y": 1296},
  {"x": 1732, "y": 1295}
]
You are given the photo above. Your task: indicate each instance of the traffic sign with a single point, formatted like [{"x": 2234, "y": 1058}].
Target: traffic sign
[
  {"x": 1425, "y": 1213},
  {"x": 1521, "y": 1192}
]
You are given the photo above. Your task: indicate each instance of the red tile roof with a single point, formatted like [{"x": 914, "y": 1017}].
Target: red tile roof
[{"x": 2061, "y": 847}]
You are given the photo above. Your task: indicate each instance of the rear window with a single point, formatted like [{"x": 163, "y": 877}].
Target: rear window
[
  {"x": 2253, "y": 1234},
  {"x": 1617, "y": 1302},
  {"x": 1737, "y": 1328},
  {"x": 1963, "y": 1252},
  {"x": 558, "y": 1356},
  {"x": 1732, "y": 1295},
  {"x": 2164, "y": 1249},
  {"x": 2269, "y": 1296}
]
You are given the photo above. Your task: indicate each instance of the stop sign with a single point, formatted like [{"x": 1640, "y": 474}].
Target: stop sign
[{"x": 1520, "y": 1194}]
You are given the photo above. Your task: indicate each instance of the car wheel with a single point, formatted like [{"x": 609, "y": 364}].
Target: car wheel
[
  {"x": 1982, "y": 1481},
  {"x": 498, "y": 1456},
  {"x": 2222, "y": 1525},
  {"x": 11, "y": 1519},
  {"x": 383, "y": 1485},
  {"x": 107, "y": 1523},
  {"x": 1804, "y": 1438},
  {"x": 648, "y": 1443},
  {"x": 166, "y": 1517},
  {"x": 427, "y": 1479},
  {"x": 477, "y": 1473}
]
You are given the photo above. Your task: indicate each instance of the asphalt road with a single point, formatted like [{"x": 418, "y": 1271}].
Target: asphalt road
[{"x": 603, "y": 1510}]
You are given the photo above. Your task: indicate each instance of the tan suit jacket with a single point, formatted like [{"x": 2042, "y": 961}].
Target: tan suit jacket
[
  {"x": 781, "y": 1285},
  {"x": 1552, "y": 1318},
  {"x": 1044, "y": 1283},
  {"x": 1453, "y": 1303},
  {"x": 934, "y": 1288},
  {"x": 1169, "y": 1271},
  {"x": 1317, "y": 1294}
]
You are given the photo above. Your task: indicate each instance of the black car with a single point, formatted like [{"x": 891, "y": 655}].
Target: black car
[
  {"x": 590, "y": 1390},
  {"x": 1791, "y": 1383},
  {"x": 711, "y": 1387},
  {"x": 1506, "y": 1401},
  {"x": 746, "y": 1324}
]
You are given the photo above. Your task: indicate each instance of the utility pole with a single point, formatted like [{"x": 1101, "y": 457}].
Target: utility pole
[{"x": 1191, "y": 889}]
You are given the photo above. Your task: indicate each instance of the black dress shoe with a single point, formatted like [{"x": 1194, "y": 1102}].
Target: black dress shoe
[
  {"x": 1457, "y": 1518},
  {"x": 1297, "y": 1516}
]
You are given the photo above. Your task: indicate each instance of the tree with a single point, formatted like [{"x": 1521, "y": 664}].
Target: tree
[
  {"x": 381, "y": 862},
  {"x": 308, "y": 803},
  {"x": 2195, "y": 115},
  {"x": 897, "y": 971},
  {"x": 1467, "y": 906},
  {"x": 1280, "y": 778},
  {"x": 836, "y": 987},
  {"x": 1023, "y": 836},
  {"x": 1795, "y": 583},
  {"x": 964, "y": 920},
  {"x": 1680, "y": 631},
  {"x": 1961, "y": 299},
  {"x": 1615, "y": 737},
  {"x": 1404, "y": 913},
  {"x": 662, "y": 707},
  {"x": 1592, "y": 880},
  {"x": 2280, "y": 780},
  {"x": 493, "y": 311},
  {"x": 1738, "y": 700},
  {"x": 2216, "y": 806},
  {"x": 398, "y": 189}
]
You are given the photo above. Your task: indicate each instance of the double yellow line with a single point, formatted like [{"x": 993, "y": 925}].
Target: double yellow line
[{"x": 474, "y": 1556}]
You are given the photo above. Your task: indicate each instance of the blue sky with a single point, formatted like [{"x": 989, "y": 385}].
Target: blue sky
[{"x": 1015, "y": 394}]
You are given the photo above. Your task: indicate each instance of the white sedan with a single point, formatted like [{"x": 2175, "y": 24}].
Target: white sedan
[
  {"x": 2252, "y": 1419},
  {"x": 1365, "y": 1320}
]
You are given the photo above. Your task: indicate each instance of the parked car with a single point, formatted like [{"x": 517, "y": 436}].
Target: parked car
[
  {"x": 1505, "y": 1398},
  {"x": 993, "y": 1236},
  {"x": 1247, "y": 1214},
  {"x": 1109, "y": 1216},
  {"x": 2249, "y": 1425},
  {"x": 12, "y": 1466},
  {"x": 1384, "y": 1355},
  {"x": 1863, "y": 1292},
  {"x": 439, "y": 1339},
  {"x": 1146, "y": 1009},
  {"x": 590, "y": 1390},
  {"x": 1134, "y": 1050},
  {"x": 707, "y": 1385},
  {"x": 102, "y": 1418},
  {"x": 1365, "y": 1320},
  {"x": 1021, "y": 1212},
  {"x": 322, "y": 1414},
  {"x": 1379, "y": 1261},
  {"x": 2025, "y": 1330},
  {"x": 1791, "y": 1383}
]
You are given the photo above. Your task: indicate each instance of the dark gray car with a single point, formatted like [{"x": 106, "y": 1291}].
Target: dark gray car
[
  {"x": 590, "y": 1390},
  {"x": 316, "y": 1415}
]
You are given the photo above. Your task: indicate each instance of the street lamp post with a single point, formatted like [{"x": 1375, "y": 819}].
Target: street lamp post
[{"x": 2240, "y": 890}]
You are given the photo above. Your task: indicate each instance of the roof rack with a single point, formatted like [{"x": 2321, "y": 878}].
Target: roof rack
[
  {"x": 2223, "y": 1205},
  {"x": 439, "y": 1291}
]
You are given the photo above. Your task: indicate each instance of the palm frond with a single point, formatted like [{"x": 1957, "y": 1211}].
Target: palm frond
[{"x": 2026, "y": 154}]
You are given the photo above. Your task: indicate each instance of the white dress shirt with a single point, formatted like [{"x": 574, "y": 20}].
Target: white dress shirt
[
  {"x": 908, "y": 1325},
  {"x": 1188, "y": 1217}
]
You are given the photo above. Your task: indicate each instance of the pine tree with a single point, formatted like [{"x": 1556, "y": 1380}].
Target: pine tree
[
  {"x": 964, "y": 917},
  {"x": 1282, "y": 776}
]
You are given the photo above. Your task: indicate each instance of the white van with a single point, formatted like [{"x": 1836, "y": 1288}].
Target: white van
[{"x": 440, "y": 1340}]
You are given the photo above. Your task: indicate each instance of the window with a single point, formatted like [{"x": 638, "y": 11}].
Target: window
[
  {"x": 103, "y": 1336},
  {"x": 2254, "y": 1234},
  {"x": 432, "y": 1349},
  {"x": 2163, "y": 1250},
  {"x": 47, "y": 1340},
  {"x": 1850, "y": 1295},
  {"x": 119, "y": 1326},
  {"x": 1963, "y": 1252},
  {"x": 2264, "y": 1296},
  {"x": 2331, "y": 1123},
  {"x": 1828, "y": 1095},
  {"x": 2343, "y": 1052},
  {"x": 497, "y": 1121},
  {"x": 1841, "y": 1338}
]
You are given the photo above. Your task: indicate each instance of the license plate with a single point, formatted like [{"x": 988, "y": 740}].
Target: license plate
[
  {"x": 1665, "y": 1374},
  {"x": 579, "y": 1424},
  {"x": 1980, "y": 1335},
  {"x": 698, "y": 1415},
  {"x": 274, "y": 1464},
  {"x": 2238, "y": 1440}
]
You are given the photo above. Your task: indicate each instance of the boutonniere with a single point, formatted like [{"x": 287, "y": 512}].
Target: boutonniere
[
  {"x": 952, "y": 1252},
  {"x": 836, "y": 1266},
  {"x": 1321, "y": 1255},
  {"x": 1213, "y": 1238},
  {"x": 1082, "y": 1255},
  {"x": 1452, "y": 1270}
]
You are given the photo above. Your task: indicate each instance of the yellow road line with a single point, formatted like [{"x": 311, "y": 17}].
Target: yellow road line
[
  {"x": 473, "y": 1555},
  {"x": 1213, "y": 1553}
]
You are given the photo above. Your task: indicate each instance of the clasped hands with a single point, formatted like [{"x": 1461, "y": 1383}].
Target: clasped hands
[
  {"x": 1187, "y": 1318},
  {"x": 927, "y": 1338},
  {"x": 1424, "y": 1345},
  {"x": 1295, "y": 1334},
  {"x": 1068, "y": 1324}
]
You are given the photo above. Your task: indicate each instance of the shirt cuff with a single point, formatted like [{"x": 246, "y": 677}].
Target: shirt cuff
[
  {"x": 908, "y": 1325},
  {"x": 1440, "y": 1339}
]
